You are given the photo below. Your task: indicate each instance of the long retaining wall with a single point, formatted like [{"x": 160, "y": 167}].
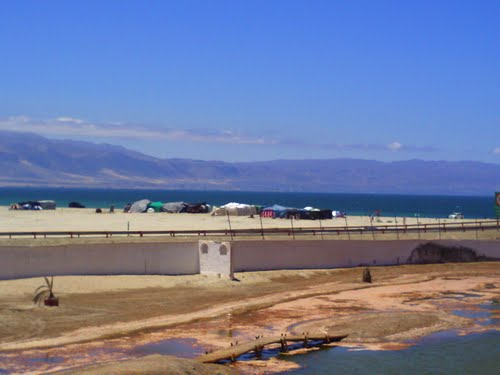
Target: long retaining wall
[
  {"x": 174, "y": 258},
  {"x": 211, "y": 257},
  {"x": 273, "y": 255}
]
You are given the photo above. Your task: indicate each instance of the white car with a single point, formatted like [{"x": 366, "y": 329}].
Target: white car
[{"x": 456, "y": 215}]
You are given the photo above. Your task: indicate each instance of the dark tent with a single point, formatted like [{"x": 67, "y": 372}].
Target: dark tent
[
  {"x": 47, "y": 205},
  {"x": 36, "y": 205},
  {"x": 196, "y": 208},
  {"x": 75, "y": 205},
  {"x": 173, "y": 207}
]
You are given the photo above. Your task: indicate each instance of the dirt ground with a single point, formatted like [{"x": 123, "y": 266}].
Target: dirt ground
[{"x": 403, "y": 303}]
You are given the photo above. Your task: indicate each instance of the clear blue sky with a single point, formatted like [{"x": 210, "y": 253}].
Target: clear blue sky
[{"x": 257, "y": 80}]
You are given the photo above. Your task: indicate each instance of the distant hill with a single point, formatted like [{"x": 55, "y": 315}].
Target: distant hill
[{"x": 31, "y": 160}]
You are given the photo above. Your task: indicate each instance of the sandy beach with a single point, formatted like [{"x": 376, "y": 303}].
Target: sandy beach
[{"x": 86, "y": 219}]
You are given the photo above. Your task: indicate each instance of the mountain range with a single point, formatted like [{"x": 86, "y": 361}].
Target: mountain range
[{"x": 28, "y": 159}]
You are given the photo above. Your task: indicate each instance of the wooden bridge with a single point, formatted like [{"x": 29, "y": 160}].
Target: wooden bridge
[{"x": 257, "y": 346}]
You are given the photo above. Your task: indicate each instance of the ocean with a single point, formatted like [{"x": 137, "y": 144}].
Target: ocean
[{"x": 435, "y": 206}]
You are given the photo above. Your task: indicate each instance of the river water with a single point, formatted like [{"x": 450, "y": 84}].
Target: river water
[
  {"x": 445, "y": 352},
  {"x": 440, "y": 353}
]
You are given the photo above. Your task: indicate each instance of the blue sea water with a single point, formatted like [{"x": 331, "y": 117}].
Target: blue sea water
[{"x": 353, "y": 204}]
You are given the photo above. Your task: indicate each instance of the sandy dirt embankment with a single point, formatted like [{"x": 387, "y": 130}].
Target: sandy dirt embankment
[{"x": 123, "y": 312}]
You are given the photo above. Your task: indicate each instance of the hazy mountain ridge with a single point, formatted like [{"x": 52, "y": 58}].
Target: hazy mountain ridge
[{"x": 29, "y": 159}]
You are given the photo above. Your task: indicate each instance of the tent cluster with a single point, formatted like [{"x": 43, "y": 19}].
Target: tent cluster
[
  {"x": 145, "y": 205},
  {"x": 306, "y": 213},
  {"x": 34, "y": 205},
  {"x": 234, "y": 209},
  {"x": 276, "y": 211}
]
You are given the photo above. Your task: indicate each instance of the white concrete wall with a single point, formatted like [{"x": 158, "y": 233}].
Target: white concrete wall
[
  {"x": 215, "y": 258},
  {"x": 180, "y": 258},
  {"x": 174, "y": 258},
  {"x": 272, "y": 255},
  {"x": 486, "y": 248}
]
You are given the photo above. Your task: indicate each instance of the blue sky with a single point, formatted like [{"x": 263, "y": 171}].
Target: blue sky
[{"x": 257, "y": 80}]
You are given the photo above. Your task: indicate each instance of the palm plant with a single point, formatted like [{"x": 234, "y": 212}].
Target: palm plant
[{"x": 45, "y": 293}]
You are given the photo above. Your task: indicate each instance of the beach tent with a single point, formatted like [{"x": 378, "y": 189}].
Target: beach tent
[
  {"x": 307, "y": 213},
  {"x": 338, "y": 214},
  {"x": 173, "y": 207},
  {"x": 235, "y": 209},
  {"x": 29, "y": 205},
  {"x": 311, "y": 213},
  {"x": 274, "y": 211},
  {"x": 196, "y": 208},
  {"x": 139, "y": 206},
  {"x": 283, "y": 212},
  {"x": 36, "y": 205},
  {"x": 156, "y": 206},
  {"x": 326, "y": 213},
  {"x": 47, "y": 205}
]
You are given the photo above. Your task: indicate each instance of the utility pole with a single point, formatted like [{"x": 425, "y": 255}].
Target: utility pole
[
  {"x": 229, "y": 221},
  {"x": 261, "y": 227},
  {"x": 418, "y": 226},
  {"x": 347, "y": 228},
  {"x": 396, "y": 223}
]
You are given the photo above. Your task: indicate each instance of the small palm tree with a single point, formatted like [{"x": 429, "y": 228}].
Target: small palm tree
[{"x": 45, "y": 293}]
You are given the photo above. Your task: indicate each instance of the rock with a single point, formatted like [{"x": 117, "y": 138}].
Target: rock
[{"x": 367, "y": 276}]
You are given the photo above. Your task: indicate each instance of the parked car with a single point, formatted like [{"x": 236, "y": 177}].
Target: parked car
[{"x": 456, "y": 215}]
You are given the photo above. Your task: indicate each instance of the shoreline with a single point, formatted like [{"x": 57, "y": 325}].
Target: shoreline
[{"x": 266, "y": 303}]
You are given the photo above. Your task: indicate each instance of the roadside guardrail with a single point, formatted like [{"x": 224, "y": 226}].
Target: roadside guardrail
[{"x": 293, "y": 231}]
